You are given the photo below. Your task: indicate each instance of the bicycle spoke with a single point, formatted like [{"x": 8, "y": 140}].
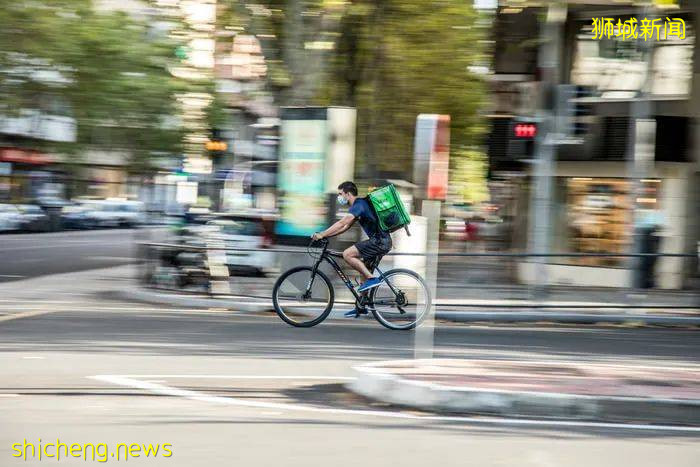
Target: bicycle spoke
[
  {"x": 301, "y": 301},
  {"x": 401, "y": 301}
]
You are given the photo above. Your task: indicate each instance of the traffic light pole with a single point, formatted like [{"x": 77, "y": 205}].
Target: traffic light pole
[
  {"x": 545, "y": 143},
  {"x": 640, "y": 146}
]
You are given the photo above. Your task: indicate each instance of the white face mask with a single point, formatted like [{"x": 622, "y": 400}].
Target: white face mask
[{"x": 342, "y": 201}]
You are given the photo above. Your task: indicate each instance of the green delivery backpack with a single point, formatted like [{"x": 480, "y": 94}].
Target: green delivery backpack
[{"x": 389, "y": 208}]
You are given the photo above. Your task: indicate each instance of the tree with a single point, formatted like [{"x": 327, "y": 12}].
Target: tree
[
  {"x": 399, "y": 58},
  {"x": 390, "y": 59},
  {"x": 297, "y": 37},
  {"x": 107, "y": 69}
]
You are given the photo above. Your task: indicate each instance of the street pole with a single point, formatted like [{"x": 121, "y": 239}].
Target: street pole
[
  {"x": 640, "y": 148},
  {"x": 424, "y": 335},
  {"x": 545, "y": 144}
]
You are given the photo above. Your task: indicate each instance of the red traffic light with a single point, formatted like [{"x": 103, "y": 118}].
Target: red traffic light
[{"x": 525, "y": 130}]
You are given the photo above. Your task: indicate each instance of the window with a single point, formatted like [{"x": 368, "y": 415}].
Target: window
[
  {"x": 616, "y": 68},
  {"x": 595, "y": 215}
]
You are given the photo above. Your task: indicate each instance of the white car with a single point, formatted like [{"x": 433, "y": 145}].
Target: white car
[
  {"x": 242, "y": 232},
  {"x": 10, "y": 217},
  {"x": 238, "y": 232},
  {"x": 113, "y": 213}
]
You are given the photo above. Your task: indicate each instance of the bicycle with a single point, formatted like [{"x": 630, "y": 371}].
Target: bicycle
[{"x": 304, "y": 296}]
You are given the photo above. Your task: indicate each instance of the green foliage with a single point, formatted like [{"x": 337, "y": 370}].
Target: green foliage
[
  {"x": 468, "y": 175},
  {"x": 399, "y": 58},
  {"x": 114, "y": 77},
  {"x": 390, "y": 59}
]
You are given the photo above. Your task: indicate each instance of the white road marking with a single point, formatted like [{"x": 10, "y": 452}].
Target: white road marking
[
  {"x": 122, "y": 380},
  {"x": 9, "y": 395},
  {"x": 10, "y": 275},
  {"x": 33, "y": 357}
]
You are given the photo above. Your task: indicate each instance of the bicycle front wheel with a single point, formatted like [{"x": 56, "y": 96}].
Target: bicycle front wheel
[
  {"x": 301, "y": 301},
  {"x": 401, "y": 301}
]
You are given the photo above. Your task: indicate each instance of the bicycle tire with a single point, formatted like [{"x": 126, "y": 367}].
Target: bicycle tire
[
  {"x": 414, "y": 324},
  {"x": 282, "y": 314}
]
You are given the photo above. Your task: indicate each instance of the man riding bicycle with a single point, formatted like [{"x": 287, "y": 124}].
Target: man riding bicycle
[{"x": 375, "y": 246}]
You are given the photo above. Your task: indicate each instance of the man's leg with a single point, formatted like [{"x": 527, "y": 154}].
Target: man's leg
[{"x": 354, "y": 259}]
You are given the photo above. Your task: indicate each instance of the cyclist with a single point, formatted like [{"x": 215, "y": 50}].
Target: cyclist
[{"x": 378, "y": 242}]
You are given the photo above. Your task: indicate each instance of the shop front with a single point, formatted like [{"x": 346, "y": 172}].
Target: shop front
[
  {"x": 23, "y": 175},
  {"x": 596, "y": 208}
]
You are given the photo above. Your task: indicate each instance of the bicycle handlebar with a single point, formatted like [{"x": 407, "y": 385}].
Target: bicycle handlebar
[{"x": 324, "y": 243}]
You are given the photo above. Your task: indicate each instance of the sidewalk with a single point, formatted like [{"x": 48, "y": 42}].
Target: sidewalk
[
  {"x": 580, "y": 391},
  {"x": 445, "y": 309},
  {"x": 253, "y": 295},
  {"x": 466, "y": 288},
  {"x": 459, "y": 301},
  {"x": 485, "y": 283}
]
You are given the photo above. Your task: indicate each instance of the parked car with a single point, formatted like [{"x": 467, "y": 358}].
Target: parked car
[
  {"x": 237, "y": 231},
  {"x": 33, "y": 218},
  {"x": 78, "y": 216},
  {"x": 117, "y": 213},
  {"x": 10, "y": 218}
]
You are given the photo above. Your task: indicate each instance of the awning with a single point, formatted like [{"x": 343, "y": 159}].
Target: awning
[{"x": 24, "y": 156}]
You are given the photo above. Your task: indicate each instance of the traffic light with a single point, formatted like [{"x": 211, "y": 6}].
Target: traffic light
[
  {"x": 521, "y": 140},
  {"x": 525, "y": 130},
  {"x": 218, "y": 146}
]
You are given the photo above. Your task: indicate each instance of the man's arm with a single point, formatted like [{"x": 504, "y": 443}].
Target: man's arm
[{"x": 336, "y": 229}]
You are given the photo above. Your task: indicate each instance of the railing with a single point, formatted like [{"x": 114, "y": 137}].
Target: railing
[{"x": 607, "y": 299}]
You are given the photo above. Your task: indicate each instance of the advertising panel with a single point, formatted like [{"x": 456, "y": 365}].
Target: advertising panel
[{"x": 301, "y": 175}]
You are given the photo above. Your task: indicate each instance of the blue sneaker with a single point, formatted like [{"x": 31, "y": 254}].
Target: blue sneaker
[
  {"x": 355, "y": 312},
  {"x": 369, "y": 284}
]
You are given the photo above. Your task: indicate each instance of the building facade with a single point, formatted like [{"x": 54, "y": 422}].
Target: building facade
[{"x": 632, "y": 146}]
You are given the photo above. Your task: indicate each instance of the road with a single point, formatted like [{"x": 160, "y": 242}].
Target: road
[
  {"x": 226, "y": 388},
  {"x": 32, "y": 255}
]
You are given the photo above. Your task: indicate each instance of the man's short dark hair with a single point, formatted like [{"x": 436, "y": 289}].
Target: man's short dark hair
[{"x": 348, "y": 187}]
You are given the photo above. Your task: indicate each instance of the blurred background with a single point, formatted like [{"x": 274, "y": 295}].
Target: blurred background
[
  {"x": 162, "y": 162},
  {"x": 534, "y": 134}
]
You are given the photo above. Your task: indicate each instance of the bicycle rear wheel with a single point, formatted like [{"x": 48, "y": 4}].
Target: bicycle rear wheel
[
  {"x": 404, "y": 309},
  {"x": 300, "y": 302}
]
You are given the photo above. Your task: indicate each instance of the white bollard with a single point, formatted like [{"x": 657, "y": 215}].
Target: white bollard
[{"x": 424, "y": 334}]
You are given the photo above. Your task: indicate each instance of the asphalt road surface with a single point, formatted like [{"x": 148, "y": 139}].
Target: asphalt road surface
[
  {"x": 37, "y": 254},
  {"x": 224, "y": 388}
]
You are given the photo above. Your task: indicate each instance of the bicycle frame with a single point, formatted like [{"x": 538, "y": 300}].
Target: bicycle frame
[{"x": 329, "y": 256}]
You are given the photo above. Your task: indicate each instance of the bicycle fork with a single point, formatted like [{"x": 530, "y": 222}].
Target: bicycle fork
[{"x": 310, "y": 283}]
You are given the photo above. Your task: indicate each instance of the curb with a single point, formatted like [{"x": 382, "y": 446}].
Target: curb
[
  {"x": 373, "y": 383},
  {"x": 245, "y": 304},
  {"x": 252, "y": 305}
]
